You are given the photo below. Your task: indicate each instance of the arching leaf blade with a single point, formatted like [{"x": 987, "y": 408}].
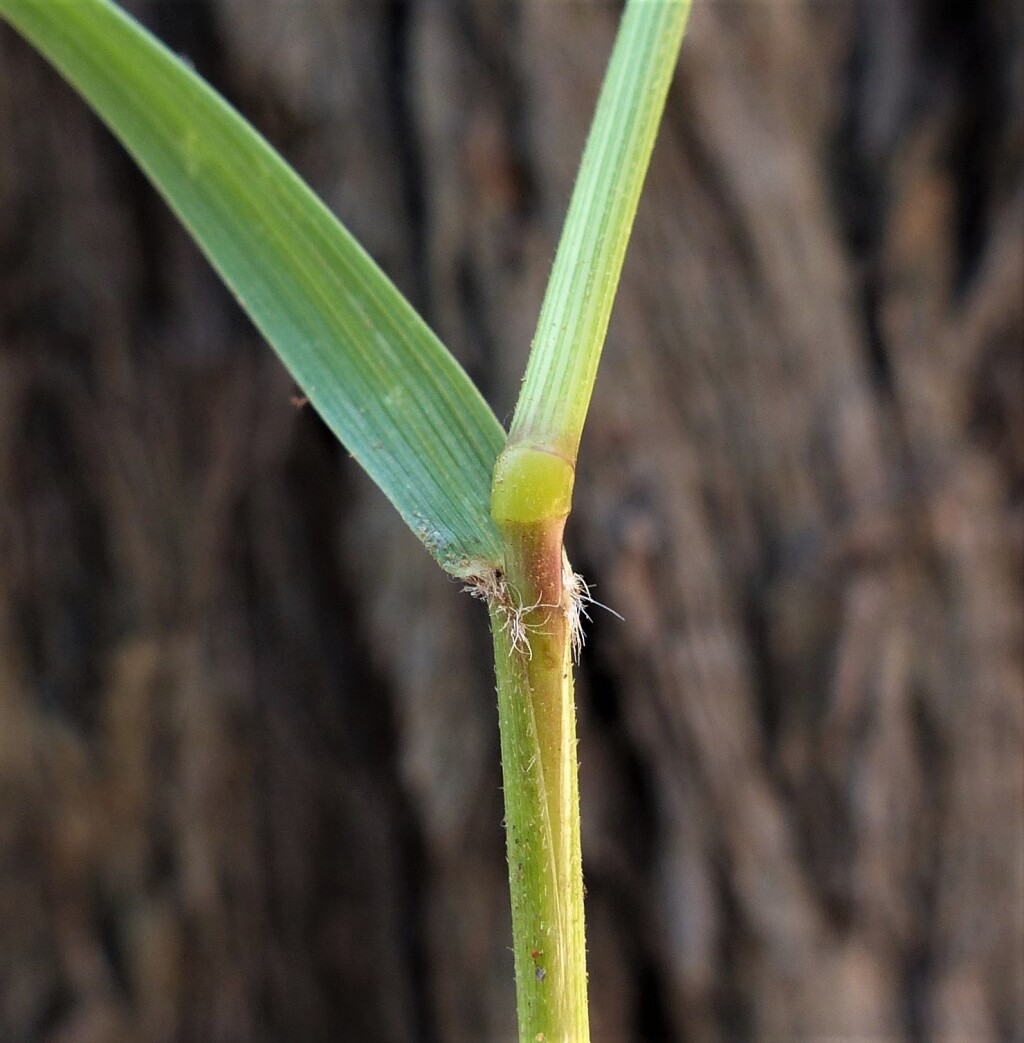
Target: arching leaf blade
[{"x": 370, "y": 366}]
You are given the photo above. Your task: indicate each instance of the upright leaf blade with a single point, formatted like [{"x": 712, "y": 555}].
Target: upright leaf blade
[
  {"x": 371, "y": 367},
  {"x": 560, "y": 374}
]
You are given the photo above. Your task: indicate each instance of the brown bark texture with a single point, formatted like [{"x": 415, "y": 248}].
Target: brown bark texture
[{"x": 249, "y": 778}]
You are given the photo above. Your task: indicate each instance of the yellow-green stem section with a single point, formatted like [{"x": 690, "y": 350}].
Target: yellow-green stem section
[
  {"x": 530, "y": 501},
  {"x": 542, "y": 821}
]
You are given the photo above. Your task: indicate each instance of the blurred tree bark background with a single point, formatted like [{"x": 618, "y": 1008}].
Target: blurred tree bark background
[{"x": 249, "y": 778}]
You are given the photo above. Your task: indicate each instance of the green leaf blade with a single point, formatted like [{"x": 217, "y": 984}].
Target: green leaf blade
[
  {"x": 371, "y": 367},
  {"x": 562, "y": 368}
]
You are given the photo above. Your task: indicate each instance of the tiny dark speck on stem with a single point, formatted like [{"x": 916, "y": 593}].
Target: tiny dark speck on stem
[{"x": 541, "y": 973}]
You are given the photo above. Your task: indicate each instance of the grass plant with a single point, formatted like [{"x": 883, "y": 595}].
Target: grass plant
[{"x": 491, "y": 508}]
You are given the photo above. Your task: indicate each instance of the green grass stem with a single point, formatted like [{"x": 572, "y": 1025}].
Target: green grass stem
[
  {"x": 538, "y": 756},
  {"x": 532, "y": 608}
]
